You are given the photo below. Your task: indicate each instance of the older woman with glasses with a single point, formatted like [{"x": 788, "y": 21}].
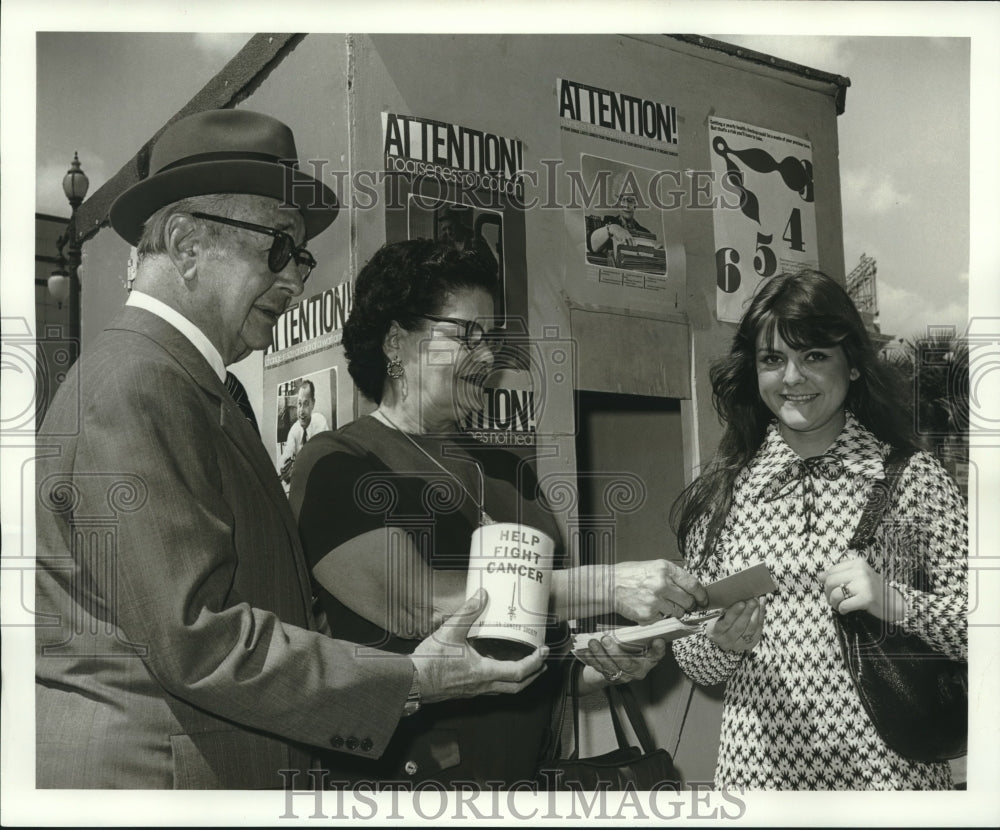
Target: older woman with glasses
[{"x": 387, "y": 506}]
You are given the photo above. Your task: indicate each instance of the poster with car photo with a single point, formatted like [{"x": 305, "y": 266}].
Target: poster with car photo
[
  {"x": 623, "y": 230},
  {"x": 623, "y": 186}
]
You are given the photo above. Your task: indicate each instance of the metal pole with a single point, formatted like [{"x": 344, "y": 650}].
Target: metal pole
[
  {"x": 72, "y": 268},
  {"x": 75, "y": 184}
]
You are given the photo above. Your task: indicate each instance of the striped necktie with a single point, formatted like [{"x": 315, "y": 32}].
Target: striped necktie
[{"x": 239, "y": 394}]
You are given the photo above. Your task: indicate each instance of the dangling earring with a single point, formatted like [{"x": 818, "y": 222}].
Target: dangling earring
[{"x": 394, "y": 368}]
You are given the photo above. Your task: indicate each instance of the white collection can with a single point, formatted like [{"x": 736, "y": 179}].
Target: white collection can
[{"x": 513, "y": 563}]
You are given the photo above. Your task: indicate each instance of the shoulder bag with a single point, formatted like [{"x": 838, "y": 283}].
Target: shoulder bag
[
  {"x": 627, "y": 767},
  {"x": 916, "y": 697}
]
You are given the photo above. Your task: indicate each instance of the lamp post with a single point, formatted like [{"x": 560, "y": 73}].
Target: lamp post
[{"x": 65, "y": 280}]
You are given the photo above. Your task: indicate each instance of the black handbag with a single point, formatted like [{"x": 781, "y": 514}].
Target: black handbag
[
  {"x": 624, "y": 768},
  {"x": 917, "y": 698}
]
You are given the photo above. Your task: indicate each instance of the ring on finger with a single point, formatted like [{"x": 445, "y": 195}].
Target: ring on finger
[
  {"x": 614, "y": 678},
  {"x": 845, "y": 591}
]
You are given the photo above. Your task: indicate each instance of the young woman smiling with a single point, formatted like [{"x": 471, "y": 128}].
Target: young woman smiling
[{"x": 810, "y": 416}]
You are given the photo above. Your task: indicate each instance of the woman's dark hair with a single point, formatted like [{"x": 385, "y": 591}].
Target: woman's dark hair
[
  {"x": 809, "y": 310},
  {"x": 400, "y": 282}
]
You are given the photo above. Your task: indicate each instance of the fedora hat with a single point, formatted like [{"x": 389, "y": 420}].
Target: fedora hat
[{"x": 224, "y": 151}]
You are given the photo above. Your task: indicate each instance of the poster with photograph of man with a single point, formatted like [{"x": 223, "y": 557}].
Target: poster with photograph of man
[
  {"x": 469, "y": 229},
  {"x": 623, "y": 228},
  {"x": 306, "y": 406}
]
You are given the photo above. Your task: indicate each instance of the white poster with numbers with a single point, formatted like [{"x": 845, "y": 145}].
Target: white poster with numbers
[{"x": 765, "y": 218}]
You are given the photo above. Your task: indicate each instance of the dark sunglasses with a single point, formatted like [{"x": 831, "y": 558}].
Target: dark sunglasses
[
  {"x": 471, "y": 334},
  {"x": 283, "y": 248}
]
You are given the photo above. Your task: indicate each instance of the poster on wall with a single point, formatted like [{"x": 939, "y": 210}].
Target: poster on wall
[
  {"x": 765, "y": 218},
  {"x": 464, "y": 186},
  {"x": 306, "y": 406},
  {"x": 620, "y": 186},
  {"x": 616, "y": 240},
  {"x": 310, "y": 325}
]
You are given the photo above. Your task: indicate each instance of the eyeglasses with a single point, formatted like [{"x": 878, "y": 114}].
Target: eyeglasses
[
  {"x": 282, "y": 251},
  {"x": 471, "y": 334}
]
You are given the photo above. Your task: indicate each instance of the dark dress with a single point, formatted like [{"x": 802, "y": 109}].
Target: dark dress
[{"x": 366, "y": 476}]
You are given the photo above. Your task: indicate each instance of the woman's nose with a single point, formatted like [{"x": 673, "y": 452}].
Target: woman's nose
[{"x": 792, "y": 372}]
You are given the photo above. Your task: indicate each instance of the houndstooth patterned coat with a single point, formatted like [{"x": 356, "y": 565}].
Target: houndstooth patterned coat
[{"x": 791, "y": 718}]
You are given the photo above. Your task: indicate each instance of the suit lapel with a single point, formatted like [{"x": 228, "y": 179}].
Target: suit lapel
[
  {"x": 248, "y": 442},
  {"x": 231, "y": 419}
]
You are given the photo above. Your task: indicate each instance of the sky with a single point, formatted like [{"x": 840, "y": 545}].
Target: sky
[
  {"x": 118, "y": 111},
  {"x": 904, "y": 166},
  {"x": 907, "y": 112}
]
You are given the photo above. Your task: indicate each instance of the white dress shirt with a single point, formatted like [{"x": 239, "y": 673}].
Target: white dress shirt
[
  {"x": 184, "y": 326},
  {"x": 294, "y": 442}
]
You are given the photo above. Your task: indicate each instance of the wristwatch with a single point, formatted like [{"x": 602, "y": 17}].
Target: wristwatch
[{"x": 412, "y": 705}]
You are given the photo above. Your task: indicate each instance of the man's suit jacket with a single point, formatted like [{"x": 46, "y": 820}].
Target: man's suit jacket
[{"x": 174, "y": 641}]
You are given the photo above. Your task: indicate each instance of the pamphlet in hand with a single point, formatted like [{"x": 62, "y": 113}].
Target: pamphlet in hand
[{"x": 752, "y": 582}]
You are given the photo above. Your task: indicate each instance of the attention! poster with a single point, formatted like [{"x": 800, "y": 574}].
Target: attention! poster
[{"x": 464, "y": 186}]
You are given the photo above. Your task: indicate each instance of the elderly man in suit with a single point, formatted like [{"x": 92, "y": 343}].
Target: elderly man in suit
[{"x": 176, "y": 646}]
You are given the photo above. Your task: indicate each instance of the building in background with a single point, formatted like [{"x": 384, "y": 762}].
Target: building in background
[
  {"x": 862, "y": 286},
  {"x": 723, "y": 161}
]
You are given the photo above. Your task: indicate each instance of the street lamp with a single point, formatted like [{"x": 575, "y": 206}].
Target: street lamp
[
  {"x": 64, "y": 282},
  {"x": 58, "y": 282}
]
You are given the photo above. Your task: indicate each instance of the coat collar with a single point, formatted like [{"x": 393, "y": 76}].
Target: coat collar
[
  {"x": 855, "y": 453},
  {"x": 231, "y": 419},
  {"x": 198, "y": 338},
  {"x": 177, "y": 345}
]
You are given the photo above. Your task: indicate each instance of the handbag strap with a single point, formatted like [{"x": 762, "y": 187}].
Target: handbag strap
[
  {"x": 634, "y": 714},
  {"x": 620, "y": 736},
  {"x": 632, "y": 711},
  {"x": 574, "y": 693},
  {"x": 878, "y": 499}
]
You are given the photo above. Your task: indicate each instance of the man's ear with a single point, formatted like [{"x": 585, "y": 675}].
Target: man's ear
[{"x": 184, "y": 240}]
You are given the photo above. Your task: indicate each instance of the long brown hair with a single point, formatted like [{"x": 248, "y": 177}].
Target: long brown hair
[{"x": 809, "y": 310}]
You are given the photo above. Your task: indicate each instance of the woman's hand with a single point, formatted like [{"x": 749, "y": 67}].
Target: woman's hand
[
  {"x": 853, "y": 585},
  {"x": 739, "y": 627},
  {"x": 649, "y": 590},
  {"x": 606, "y": 662}
]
